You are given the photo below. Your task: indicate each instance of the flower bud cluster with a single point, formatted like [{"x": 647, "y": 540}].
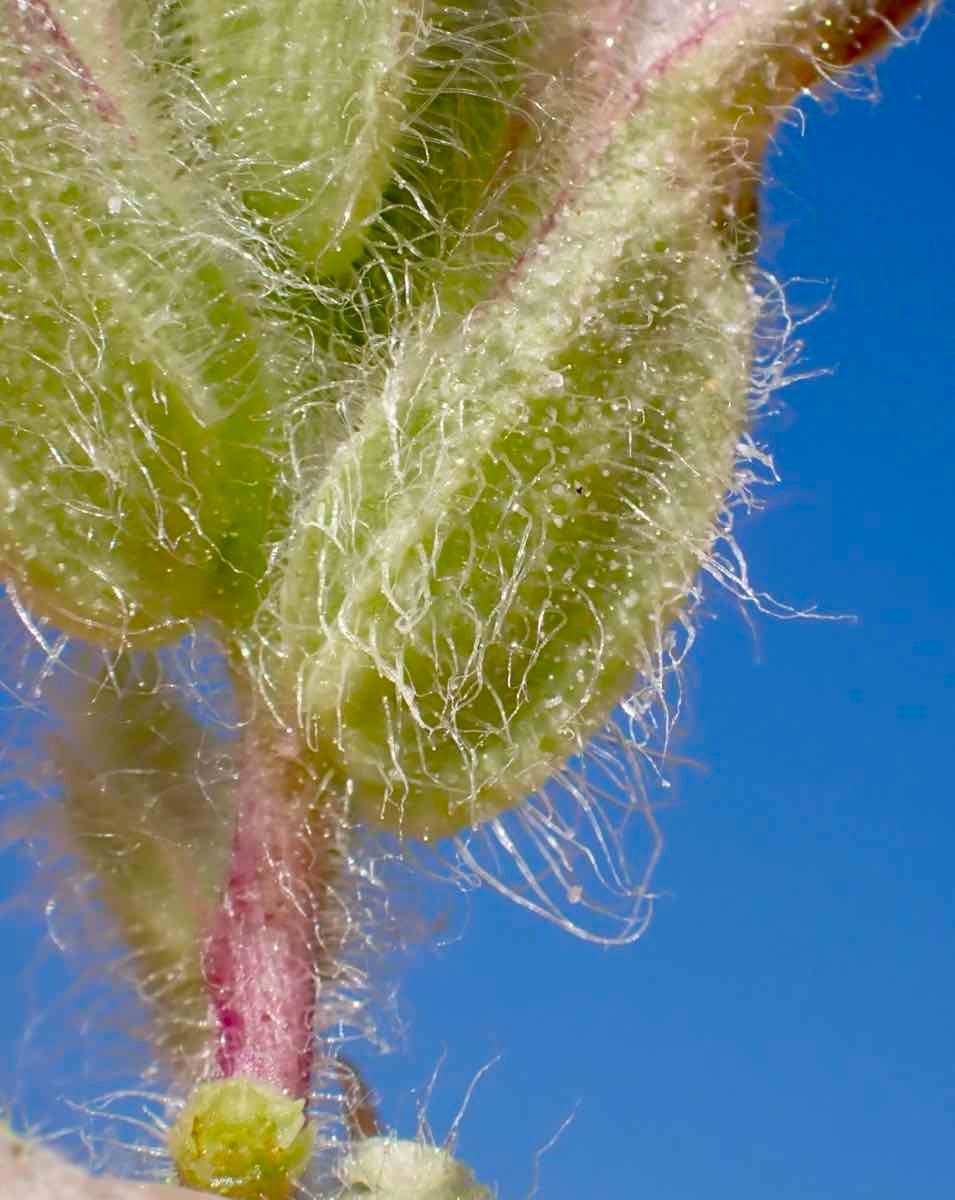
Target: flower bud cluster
[{"x": 408, "y": 346}]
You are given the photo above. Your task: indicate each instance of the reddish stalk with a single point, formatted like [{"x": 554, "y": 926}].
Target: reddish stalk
[{"x": 261, "y": 959}]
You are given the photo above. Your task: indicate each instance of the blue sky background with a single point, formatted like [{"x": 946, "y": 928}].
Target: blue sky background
[{"x": 785, "y": 1029}]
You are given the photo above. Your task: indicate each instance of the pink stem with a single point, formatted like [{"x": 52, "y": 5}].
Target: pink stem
[{"x": 261, "y": 959}]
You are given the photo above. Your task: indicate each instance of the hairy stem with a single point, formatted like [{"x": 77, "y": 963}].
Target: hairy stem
[{"x": 261, "y": 958}]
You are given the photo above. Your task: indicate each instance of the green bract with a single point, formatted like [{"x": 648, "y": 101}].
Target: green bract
[
  {"x": 305, "y": 101},
  {"x": 491, "y": 559},
  {"x": 136, "y": 458}
]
